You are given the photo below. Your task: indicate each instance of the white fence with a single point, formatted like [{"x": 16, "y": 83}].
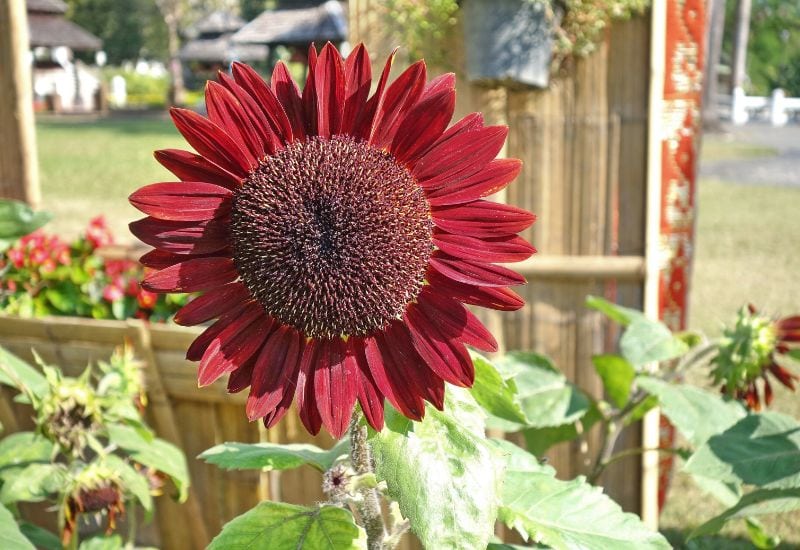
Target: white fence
[{"x": 777, "y": 109}]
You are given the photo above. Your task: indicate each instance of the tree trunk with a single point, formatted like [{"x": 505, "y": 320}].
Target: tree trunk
[
  {"x": 19, "y": 170},
  {"x": 739, "y": 68},
  {"x": 716, "y": 29},
  {"x": 176, "y": 89}
]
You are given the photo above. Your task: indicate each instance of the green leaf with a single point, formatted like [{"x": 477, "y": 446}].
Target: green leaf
[
  {"x": 697, "y": 413},
  {"x": 496, "y": 395},
  {"x": 759, "y": 536},
  {"x": 280, "y": 525},
  {"x": 156, "y": 453},
  {"x": 273, "y": 456},
  {"x": 566, "y": 514},
  {"x": 135, "y": 483},
  {"x": 760, "y": 449},
  {"x": 22, "y": 448},
  {"x": 617, "y": 375},
  {"x": 794, "y": 354},
  {"x": 442, "y": 472},
  {"x": 11, "y": 538},
  {"x": 539, "y": 440},
  {"x": 646, "y": 341},
  {"x": 547, "y": 398},
  {"x": 17, "y": 219},
  {"x": 759, "y": 502},
  {"x": 109, "y": 542},
  {"x": 637, "y": 413},
  {"x": 619, "y": 314},
  {"x": 14, "y": 371},
  {"x": 33, "y": 483},
  {"x": 40, "y": 537}
]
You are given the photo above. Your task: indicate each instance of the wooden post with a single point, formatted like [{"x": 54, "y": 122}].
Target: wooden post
[
  {"x": 716, "y": 29},
  {"x": 19, "y": 173},
  {"x": 739, "y": 68}
]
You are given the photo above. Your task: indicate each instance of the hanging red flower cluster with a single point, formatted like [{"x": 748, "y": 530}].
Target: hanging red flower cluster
[{"x": 335, "y": 237}]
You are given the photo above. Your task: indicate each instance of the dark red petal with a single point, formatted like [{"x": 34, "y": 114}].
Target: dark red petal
[
  {"x": 454, "y": 319},
  {"x": 225, "y": 111},
  {"x": 329, "y": 82},
  {"x": 784, "y": 376},
  {"x": 502, "y": 299},
  {"x": 472, "y": 121},
  {"x": 158, "y": 259},
  {"x": 399, "y": 97},
  {"x": 276, "y": 365},
  {"x": 288, "y": 94},
  {"x": 192, "y": 275},
  {"x": 201, "y": 343},
  {"x": 240, "y": 378},
  {"x": 389, "y": 378},
  {"x": 789, "y": 335},
  {"x": 369, "y": 396},
  {"x": 497, "y": 249},
  {"x": 459, "y": 157},
  {"x": 751, "y": 397},
  {"x": 203, "y": 237},
  {"x": 364, "y": 124},
  {"x": 190, "y": 167},
  {"x": 444, "y": 355},
  {"x": 212, "y": 142},
  {"x": 423, "y": 381},
  {"x": 335, "y": 389},
  {"x": 357, "y": 82},
  {"x": 491, "y": 179},
  {"x": 253, "y": 84},
  {"x": 255, "y": 115},
  {"x": 212, "y": 304},
  {"x": 789, "y": 323},
  {"x": 182, "y": 201},
  {"x": 306, "y": 404},
  {"x": 425, "y": 122},
  {"x": 473, "y": 273},
  {"x": 234, "y": 345},
  {"x": 482, "y": 219},
  {"x": 767, "y": 391},
  {"x": 309, "y": 97}
]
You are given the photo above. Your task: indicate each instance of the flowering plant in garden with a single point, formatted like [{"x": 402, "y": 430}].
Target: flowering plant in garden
[
  {"x": 334, "y": 238},
  {"x": 44, "y": 275},
  {"x": 91, "y": 455}
]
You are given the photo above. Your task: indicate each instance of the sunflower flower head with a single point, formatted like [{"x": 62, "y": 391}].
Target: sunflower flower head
[
  {"x": 334, "y": 237},
  {"x": 70, "y": 411},
  {"x": 96, "y": 489},
  {"x": 749, "y": 350}
]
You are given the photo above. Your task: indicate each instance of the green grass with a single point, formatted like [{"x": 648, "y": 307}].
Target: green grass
[
  {"x": 90, "y": 167},
  {"x": 716, "y": 147}
]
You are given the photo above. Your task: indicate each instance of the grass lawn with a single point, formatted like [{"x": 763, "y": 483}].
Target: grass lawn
[
  {"x": 90, "y": 168},
  {"x": 746, "y": 248}
]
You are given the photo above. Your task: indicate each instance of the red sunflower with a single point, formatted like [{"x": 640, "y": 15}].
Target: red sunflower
[{"x": 334, "y": 237}]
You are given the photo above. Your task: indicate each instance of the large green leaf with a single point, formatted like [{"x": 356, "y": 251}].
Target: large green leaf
[
  {"x": 40, "y": 537},
  {"x": 760, "y": 449},
  {"x": 497, "y": 396},
  {"x": 15, "y": 372},
  {"x": 10, "y": 536},
  {"x": 273, "y": 456},
  {"x": 22, "y": 448},
  {"x": 539, "y": 440},
  {"x": 547, "y": 398},
  {"x": 282, "y": 526},
  {"x": 442, "y": 472},
  {"x": 698, "y": 414},
  {"x": 33, "y": 483},
  {"x": 17, "y": 219},
  {"x": 155, "y": 453},
  {"x": 566, "y": 514},
  {"x": 619, "y": 314},
  {"x": 759, "y": 502},
  {"x": 646, "y": 341},
  {"x": 617, "y": 375},
  {"x": 108, "y": 542}
]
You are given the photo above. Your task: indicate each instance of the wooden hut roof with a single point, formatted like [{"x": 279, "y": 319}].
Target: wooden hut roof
[
  {"x": 222, "y": 49},
  {"x": 53, "y": 31},
  {"x": 46, "y": 6},
  {"x": 296, "y": 26},
  {"x": 216, "y": 23}
]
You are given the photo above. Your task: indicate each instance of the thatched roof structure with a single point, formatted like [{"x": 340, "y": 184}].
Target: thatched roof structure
[
  {"x": 47, "y": 27},
  {"x": 213, "y": 42},
  {"x": 296, "y": 27}
]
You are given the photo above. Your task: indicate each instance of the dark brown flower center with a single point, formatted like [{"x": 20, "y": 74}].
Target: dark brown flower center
[{"x": 332, "y": 236}]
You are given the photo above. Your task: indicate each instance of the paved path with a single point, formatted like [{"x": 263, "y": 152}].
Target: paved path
[{"x": 782, "y": 169}]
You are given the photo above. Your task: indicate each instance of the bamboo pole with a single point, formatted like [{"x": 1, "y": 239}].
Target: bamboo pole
[{"x": 19, "y": 172}]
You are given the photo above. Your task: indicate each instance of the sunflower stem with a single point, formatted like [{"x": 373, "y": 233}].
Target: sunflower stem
[{"x": 369, "y": 508}]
